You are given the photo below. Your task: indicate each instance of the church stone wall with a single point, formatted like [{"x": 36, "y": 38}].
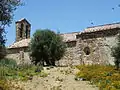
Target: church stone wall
[
  {"x": 100, "y": 45},
  {"x": 71, "y": 57},
  {"x": 20, "y": 55},
  {"x": 84, "y": 51},
  {"x": 92, "y": 48},
  {"x": 99, "y": 51},
  {"x": 14, "y": 56}
]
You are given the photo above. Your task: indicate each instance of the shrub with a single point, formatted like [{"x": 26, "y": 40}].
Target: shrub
[
  {"x": 7, "y": 68},
  {"x": 8, "y": 62},
  {"x": 116, "y": 53},
  {"x": 10, "y": 70},
  {"x": 9, "y": 73},
  {"x": 105, "y": 77},
  {"x": 2, "y": 51}
]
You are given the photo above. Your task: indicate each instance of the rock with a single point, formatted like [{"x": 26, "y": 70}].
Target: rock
[
  {"x": 30, "y": 77},
  {"x": 38, "y": 70},
  {"x": 1, "y": 88},
  {"x": 81, "y": 79}
]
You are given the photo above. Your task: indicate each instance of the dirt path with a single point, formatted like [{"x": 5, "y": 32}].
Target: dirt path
[{"x": 60, "y": 78}]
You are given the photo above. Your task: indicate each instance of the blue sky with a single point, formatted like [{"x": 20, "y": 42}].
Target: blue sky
[{"x": 65, "y": 15}]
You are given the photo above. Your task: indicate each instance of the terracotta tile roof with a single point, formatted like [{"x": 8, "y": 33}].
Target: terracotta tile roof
[
  {"x": 22, "y": 43},
  {"x": 25, "y": 42},
  {"x": 102, "y": 27},
  {"x": 23, "y": 19},
  {"x": 67, "y": 37}
]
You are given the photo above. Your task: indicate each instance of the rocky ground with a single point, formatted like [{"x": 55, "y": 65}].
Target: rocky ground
[{"x": 59, "y": 78}]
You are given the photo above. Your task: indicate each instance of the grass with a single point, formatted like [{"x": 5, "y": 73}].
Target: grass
[
  {"x": 104, "y": 77},
  {"x": 9, "y": 71}
]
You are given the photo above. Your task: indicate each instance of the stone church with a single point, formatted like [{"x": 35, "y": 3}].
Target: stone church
[{"x": 91, "y": 46}]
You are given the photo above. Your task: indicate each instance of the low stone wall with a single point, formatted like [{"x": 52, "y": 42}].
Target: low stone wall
[
  {"x": 17, "y": 58},
  {"x": 20, "y": 55},
  {"x": 14, "y": 57}
]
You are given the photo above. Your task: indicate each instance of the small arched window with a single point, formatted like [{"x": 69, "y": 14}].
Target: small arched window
[
  {"x": 21, "y": 30},
  {"x": 87, "y": 50},
  {"x": 26, "y": 31}
]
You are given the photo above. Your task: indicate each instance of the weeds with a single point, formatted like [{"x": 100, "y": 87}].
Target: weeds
[
  {"x": 105, "y": 77},
  {"x": 9, "y": 70}
]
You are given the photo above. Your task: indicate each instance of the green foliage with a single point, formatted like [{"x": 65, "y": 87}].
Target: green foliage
[
  {"x": 6, "y": 14},
  {"x": 6, "y": 67},
  {"x": 10, "y": 74},
  {"x": 8, "y": 62},
  {"x": 43, "y": 74},
  {"x": 46, "y": 46},
  {"x": 105, "y": 77},
  {"x": 2, "y": 49},
  {"x": 6, "y": 10},
  {"x": 10, "y": 70},
  {"x": 116, "y": 53},
  {"x": 26, "y": 72}
]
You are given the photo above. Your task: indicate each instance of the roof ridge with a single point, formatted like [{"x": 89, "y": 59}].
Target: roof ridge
[
  {"x": 69, "y": 33},
  {"x": 104, "y": 25},
  {"x": 23, "y": 19}
]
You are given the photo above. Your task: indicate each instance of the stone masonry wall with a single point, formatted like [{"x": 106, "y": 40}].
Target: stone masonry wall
[
  {"x": 20, "y": 55},
  {"x": 100, "y": 52},
  {"x": 98, "y": 45},
  {"x": 71, "y": 57},
  {"x": 25, "y": 27},
  {"x": 90, "y": 48}
]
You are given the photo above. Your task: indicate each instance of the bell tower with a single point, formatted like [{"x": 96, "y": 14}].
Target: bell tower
[{"x": 23, "y": 28}]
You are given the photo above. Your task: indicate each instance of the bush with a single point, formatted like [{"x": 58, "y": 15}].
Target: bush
[
  {"x": 116, "y": 53},
  {"x": 7, "y": 68},
  {"x": 8, "y": 62},
  {"x": 2, "y": 51},
  {"x": 46, "y": 46},
  {"x": 105, "y": 77},
  {"x": 10, "y": 71}
]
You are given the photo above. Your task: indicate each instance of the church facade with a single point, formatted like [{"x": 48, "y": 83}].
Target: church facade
[{"x": 91, "y": 46}]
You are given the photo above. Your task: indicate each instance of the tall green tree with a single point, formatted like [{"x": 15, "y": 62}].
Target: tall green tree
[
  {"x": 116, "y": 53},
  {"x": 6, "y": 15},
  {"x": 46, "y": 46}
]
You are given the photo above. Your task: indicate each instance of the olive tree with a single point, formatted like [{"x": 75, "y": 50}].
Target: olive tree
[
  {"x": 6, "y": 15},
  {"x": 46, "y": 46}
]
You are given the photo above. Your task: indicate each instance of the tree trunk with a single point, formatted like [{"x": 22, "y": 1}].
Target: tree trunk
[
  {"x": 53, "y": 62},
  {"x": 47, "y": 62}
]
